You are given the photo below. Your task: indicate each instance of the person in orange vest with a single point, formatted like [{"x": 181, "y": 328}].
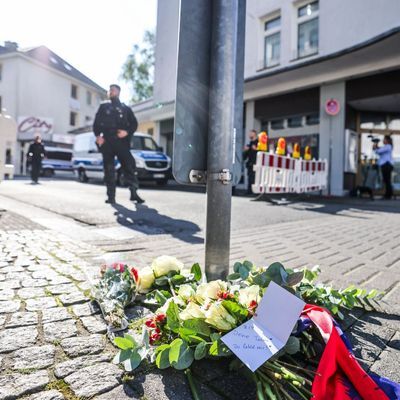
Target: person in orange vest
[{"x": 250, "y": 156}]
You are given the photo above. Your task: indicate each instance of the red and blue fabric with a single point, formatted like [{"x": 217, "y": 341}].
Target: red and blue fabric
[{"x": 339, "y": 376}]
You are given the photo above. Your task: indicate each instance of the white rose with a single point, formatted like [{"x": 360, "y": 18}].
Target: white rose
[
  {"x": 164, "y": 264},
  {"x": 218, "y": 317},
  {"x": 192, "y": 310},
  {"x": 186, "y": 292},
  {"x": 146, "y": 280},
  {"x": 249, "y": 294},
  {"x": 211, "y": 289}
]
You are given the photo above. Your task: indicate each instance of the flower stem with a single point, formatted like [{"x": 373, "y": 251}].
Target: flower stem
[{"x": 192, "y": 384}]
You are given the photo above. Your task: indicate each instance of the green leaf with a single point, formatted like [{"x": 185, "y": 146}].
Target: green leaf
[
  {"x": 162, "y": 359},
  {"x": 121, "y": 356},
  {"x": 248, "y": 265},
  {"x": 160, "y": 298},
  {"x": 233, "y": 277},
  {"x": 161, "y": 281},
  {"x": 178, "y": 279},
  {"x": 262, "y": 279},
  {"x": 198, "y": 326},
  {"x": 236, "y": 266},
  {"x": 244, "y": 272},
  {"x": 195, "y": 339},
  {"x": 293, "y": 345},
  {"x": 196, "y": 271},
  {"x": 218, "y": 349},
  {"x": 215, "y": 336},
  {"x": 133, "y": 361},
  {"x": 180, "y": 355},
  {"x": 236, "y": 310},
  {"x": 295, "y": 278},
  {"x": 184, "y": 333},
  {"x": 123, "y": 343},
  {"x": 200, "y": 351},
  {"x": 173, "y": 317}
]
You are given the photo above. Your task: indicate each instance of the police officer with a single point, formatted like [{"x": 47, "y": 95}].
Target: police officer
[
  {"x": 36, "y": 153},
  {"x": 114, "y": 126}
]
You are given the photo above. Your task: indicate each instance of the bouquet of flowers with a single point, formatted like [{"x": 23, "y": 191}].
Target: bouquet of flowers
[{"x": 191, "y": 316}]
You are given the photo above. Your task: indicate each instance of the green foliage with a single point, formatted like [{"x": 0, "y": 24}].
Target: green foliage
[
  {"x": 138, "y": 69},
  {"x": 181, "y": 355},
  {"x": 196, "y": 271},
  {"x": 173, "y": 317}
]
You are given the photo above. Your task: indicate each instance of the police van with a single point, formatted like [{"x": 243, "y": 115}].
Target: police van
[{"x": 151, "y": 162}]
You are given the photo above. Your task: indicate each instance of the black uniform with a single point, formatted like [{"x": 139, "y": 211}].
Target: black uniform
[
  {"x": 111, "y": 117},
  {"x": 36, "y": 153},
  {"x": 251, "y": 156}
]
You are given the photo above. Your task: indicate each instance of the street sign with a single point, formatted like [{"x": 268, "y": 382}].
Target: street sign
[{"x": 192, "y": 113}]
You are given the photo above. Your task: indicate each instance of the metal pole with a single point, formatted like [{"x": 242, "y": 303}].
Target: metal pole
[{"x": 220, "y": 138}]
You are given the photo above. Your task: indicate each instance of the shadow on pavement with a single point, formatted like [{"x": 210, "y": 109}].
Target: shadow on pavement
[{"x": 150, "y": 221}]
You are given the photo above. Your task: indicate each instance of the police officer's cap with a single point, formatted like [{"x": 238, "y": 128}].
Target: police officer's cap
[{"x": 115, "y": 86}]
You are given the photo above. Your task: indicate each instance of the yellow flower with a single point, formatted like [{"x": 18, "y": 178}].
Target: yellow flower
[
  {"x": 164, "y": 264},
  {"x": 146, "y": 280},
  {"x": 211, "y": 289},
  {"x": 192, "y": 310},
  {"x": 218, "y": 317},
  {"x": 249, "y": 294}
]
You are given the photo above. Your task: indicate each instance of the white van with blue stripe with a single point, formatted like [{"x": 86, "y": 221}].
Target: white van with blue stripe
[{"x": 152, "y": 164}]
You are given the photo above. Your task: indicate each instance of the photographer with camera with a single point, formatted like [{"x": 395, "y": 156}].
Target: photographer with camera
[{"x": 385, "y": 163}]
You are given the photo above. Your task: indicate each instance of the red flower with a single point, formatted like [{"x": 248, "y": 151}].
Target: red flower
[
  {"x": 224, "y": 295},
  {"x": 160, "y": 317},
  {"x": 150, "y": 323},
  {"x": 134, "y": 272},
  {"x": 154, "y": 337},
  {"x": 253, "y": 305}
]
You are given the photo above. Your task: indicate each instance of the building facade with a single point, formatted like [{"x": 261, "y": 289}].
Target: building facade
[
  {"x": 45, "y": 95},
  {"x": 321, "y": 73}
]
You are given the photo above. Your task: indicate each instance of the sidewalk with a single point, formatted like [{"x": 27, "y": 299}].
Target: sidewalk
[{"x": 52, "y": 342}]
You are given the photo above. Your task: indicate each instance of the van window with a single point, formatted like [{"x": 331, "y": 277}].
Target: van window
[
  {"x": 59, "y": 155},
  {"x": 144, "y": 143},
  {"x": 85, "y": 143}
]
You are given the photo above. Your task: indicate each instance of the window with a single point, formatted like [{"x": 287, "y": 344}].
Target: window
[
  {"x": 307, "y": 30},
  {"x": 88, "y": 98},
  {"x": 74, "y": 91},
  {"x": 277, "y": 124},
  {"x": 312, "y": 119},
  {"x": 272, "y": 42},
  {"x": 295, "y": 122},
  {"x": 143, "y": 143},
  {"x": 73, "y": 118}
]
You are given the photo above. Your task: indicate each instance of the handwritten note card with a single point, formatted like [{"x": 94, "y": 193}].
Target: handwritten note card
[{"x": 258, "y": 339}]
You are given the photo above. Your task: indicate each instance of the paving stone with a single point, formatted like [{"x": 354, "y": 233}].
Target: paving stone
[
  {"x": 45, "y": 273},
  {"x": 34, "y": 282},
  {"x": 395, "y": 341},
  {"x": 36, "y": 357},
  {"x": 12, "y": 268},
  {"x": 15, "y": 338},
  {"x": 22, "y": 319},
  {"x": 95, "y": 379},
  {"x": 6, "y": 294},
  {"x": 55, "y": 314},
  {"x": 70, "y": 366},
  {"x": 58, "y": 280},
  {"x": 59, "y": 330},
  {"x": 20, "y": 276},
  {"x": 13, "y": 386},
  {"x": 9, "y": 306},
  {"x": 48, "y": 395},
  {"x": 73, "y": 298},
  {"x": 94, "y": 324},
  {"x": 40, "y": 303},
  {"x": 121, "y": 392},
  {"x": 83, "y": 345},
  {"x": 61, "y": 289},
  {"x": 30, "y": 293},
  {"x": 86, "y": 309},
  {"x": 388, "y": 365},
  {"x": 2, "y": 320},
  {"x": 10, "y": 284}
]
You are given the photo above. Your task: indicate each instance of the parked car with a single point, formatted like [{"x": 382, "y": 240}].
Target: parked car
[{"x": 152, "y": 164}]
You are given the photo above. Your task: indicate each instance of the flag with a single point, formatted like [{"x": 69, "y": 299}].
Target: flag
[{"x": 339, "y": 375}]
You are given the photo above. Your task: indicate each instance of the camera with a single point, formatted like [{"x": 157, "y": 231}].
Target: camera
[{"x": 374, "y": 139}]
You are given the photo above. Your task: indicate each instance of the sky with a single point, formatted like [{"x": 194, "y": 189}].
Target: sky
[{"x": 95, "y": 36}]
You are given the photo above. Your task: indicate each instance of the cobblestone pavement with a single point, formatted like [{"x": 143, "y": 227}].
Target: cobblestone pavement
[{"x": 52, "y": 339}]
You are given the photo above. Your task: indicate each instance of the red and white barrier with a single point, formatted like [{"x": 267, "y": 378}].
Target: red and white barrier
[{"x": 284, "y": 174}]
